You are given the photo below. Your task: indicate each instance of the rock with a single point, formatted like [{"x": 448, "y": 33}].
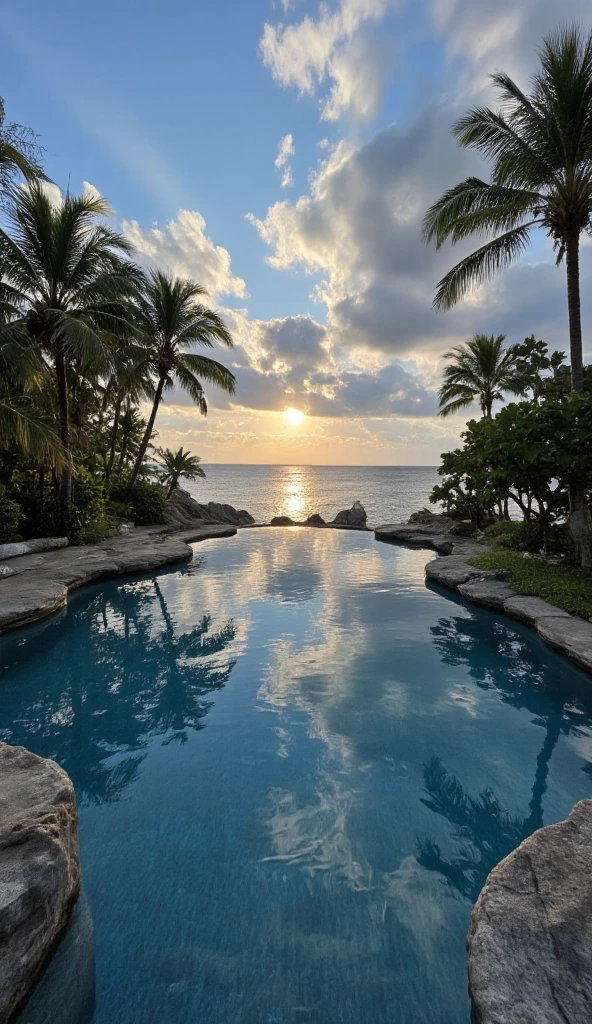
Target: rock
[
  {"x": 451, "y": 572},
  {"x": 530, "y": 941},
  {"x": 573, "y": 637},
  {"x": 315, "y": 520},
  {"x": 6, "y": 570},
  {"x": 65, "y": 992},
  {"x": 124, "y": 529},
  {"x": 39, "y": 867},
  {"x": 29, "y": 547},
  {"x": 432, "y": 533},
  {"x": 184, "y": 511},
  {"x": 531, "y": 609},
  {"x": 282, "y": 521},
  {"x": 491, "y": 593},
  {"x": 354, "y": 516},
  {"x": 42, "y": 583},
  {"x": 424, "y": 516}
]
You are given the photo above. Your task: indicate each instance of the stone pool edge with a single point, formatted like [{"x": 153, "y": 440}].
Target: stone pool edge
[
  {"x": 565, "y": 633},
  {"x": 42, "y": 582}
]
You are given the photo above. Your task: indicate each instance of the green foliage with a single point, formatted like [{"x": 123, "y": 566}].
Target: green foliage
[
  {"x": 463, "y": 528},
  {"x": 98, "y": 530},
  {"x": 561, "y": 585},
  {"x": 10, "y": 518},
  {"x": 521, "y": 536},
  {"x": 146, "y": 501},
  {"x": 481, "y": 369}
]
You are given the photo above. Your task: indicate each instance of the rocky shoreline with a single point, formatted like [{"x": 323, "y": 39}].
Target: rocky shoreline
[{"x": 567, "y": 634}]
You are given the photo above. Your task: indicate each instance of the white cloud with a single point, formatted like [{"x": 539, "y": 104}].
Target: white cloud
[
  {"x": 184, "y": 248},
  {"x": 328, "y": 50},
  {"x": 286, "y": 151}
]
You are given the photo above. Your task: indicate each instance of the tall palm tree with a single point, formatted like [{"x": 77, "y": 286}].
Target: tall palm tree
[
  {"x": 64, "y": 281},
  {"x": 541, "y": 148},
  {"x": 176, "y": 465},
  {"x": 479, "y": 369},
  {"x": 20, "y": 153},
  {"x": 173, "y": 322},
  {"x": 540, "y": 144}
]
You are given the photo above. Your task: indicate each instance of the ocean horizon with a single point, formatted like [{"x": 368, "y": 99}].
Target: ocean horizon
[{"x": 388, "y": 493}]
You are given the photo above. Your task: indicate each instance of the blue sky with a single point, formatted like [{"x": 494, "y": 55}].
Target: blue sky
[{"x": 178, "y": 106}]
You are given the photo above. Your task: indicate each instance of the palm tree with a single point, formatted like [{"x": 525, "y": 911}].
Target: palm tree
[
  {"x": 176, "y": 465},
  {"x": 20, "y": 153},
  {"x": 541, "y": 148},
  {"x": 173, "y": 322},
  {"x": 479, "y": 369},
  {"x": 63, "y": 285}
]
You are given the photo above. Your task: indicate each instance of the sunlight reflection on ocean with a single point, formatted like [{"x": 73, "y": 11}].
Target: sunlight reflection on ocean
[{"x": 388, "y": 493}]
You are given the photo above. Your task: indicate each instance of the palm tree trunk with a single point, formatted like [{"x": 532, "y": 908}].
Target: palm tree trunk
[
  {"x": 65, "y": 493},
  {"x": 580, "y": 523},
  {"x": 148, "y": 431},
  {"x": 124, "y": 440},
  {"x": 116, "y": 416},
  {"x": 572, "y": 260}
]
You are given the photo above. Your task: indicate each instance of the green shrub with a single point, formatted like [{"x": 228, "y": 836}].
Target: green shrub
[
  {"x": 146, "y": 502},
  {"x": 464, "y": 528},
  {"x": 98, "y": 530},
  {"x": 561, "y": 585},
  {"x": 519, "y": 536},
  {"x": 10, "y": 518}
]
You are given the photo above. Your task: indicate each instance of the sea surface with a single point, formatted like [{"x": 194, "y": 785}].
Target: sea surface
[
  {"x": 295, "y": 764},
  {"x": 388, "y": 493}
]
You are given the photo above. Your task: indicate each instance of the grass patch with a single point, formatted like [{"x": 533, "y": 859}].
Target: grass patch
[{"x": 562, "y": 585}]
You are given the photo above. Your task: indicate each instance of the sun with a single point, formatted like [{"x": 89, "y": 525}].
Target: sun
[{"x": 293, "y": 417}]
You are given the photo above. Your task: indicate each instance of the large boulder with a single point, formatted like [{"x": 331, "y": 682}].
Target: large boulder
[
  {"x": 354, "y": 516},
  {"x": 31, "y": 547},
  {"x": 282, "y": 521},
  {"x": 530, "y": 942},
  {"x": 185, "y": 512},
  {"x": 39, "y": 867}
]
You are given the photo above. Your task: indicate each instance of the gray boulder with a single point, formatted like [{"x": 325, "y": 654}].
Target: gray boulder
[
  {"x": 39, "y": 867},
  {"x": 530, "y": 941},
  {"x": 185, "y": 512},
  {"x": 31, "y": 547},
  {"x": 282, "y": 521},
  {"x": 354, "y": 516},
  {"x": 315, "y": 520}
]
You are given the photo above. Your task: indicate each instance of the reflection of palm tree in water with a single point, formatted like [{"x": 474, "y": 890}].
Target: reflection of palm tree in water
[
  {"x": 485, "y": 831},
  {"x": 143, "y": 680}
]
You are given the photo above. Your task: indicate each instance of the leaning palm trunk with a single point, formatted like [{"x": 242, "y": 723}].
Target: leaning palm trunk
[
  {"x": 116, "y": 415},
  {"x": 149, "y": 428},
  {"x": 65, "y": 492}
]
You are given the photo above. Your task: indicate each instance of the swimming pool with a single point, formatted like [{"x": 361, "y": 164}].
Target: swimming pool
[{"x": 295, "y": 765}]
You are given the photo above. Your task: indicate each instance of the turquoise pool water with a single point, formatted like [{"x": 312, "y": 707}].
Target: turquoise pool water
[{"x": 295, "y": 766}]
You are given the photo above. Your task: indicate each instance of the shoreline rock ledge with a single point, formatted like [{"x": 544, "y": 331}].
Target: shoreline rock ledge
[
  {"x": 530, "y": 941},
  {"x": 39, "y": 868},
  {"x": 185, "y": 512}
]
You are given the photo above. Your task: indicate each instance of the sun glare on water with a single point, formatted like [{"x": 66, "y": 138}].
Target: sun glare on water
[{"x": 293, "y": 417}]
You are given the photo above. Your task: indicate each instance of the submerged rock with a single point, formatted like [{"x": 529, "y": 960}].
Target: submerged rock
[
  {"x": 354, "y": 516},
  {"x": 39, "y": 867},
  {"x": 185, "y": 512},
  {"x": 530, "y": 941}
]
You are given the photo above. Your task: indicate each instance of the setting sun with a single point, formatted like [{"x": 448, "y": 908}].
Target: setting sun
[{"x": 293, "y": 417}]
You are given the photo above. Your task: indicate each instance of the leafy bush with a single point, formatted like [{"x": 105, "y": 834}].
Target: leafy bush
[
  {"x": 146, "y": 502},
  {"x": 559, "y": 584},
  {"x": 98, "y": 530},
  {"x": 464, "y": 528},
  {"x": 10, "y": 518},
  {"x": 520, "y": 536}
]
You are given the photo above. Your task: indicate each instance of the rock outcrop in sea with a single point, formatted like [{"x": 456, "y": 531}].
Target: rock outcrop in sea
[
  {"x": 354, "y": 518},
  {"x": 185, "y": 512},
  {"x": 39, "y": 868}
]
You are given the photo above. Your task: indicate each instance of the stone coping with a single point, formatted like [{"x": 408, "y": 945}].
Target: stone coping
[
  {"x": 40, "y": 583},
  {"x": 567, "y": 634},
  {"x": 530, "y": 941}
]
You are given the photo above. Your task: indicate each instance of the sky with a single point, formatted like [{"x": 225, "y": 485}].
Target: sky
[{"x": 283, "y": 153}]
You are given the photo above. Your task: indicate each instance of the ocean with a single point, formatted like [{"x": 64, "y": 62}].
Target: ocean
[{"x": 388, "y": 493}]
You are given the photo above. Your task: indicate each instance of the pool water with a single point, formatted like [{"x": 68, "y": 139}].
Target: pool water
[{"x": 295, "y": 765}]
